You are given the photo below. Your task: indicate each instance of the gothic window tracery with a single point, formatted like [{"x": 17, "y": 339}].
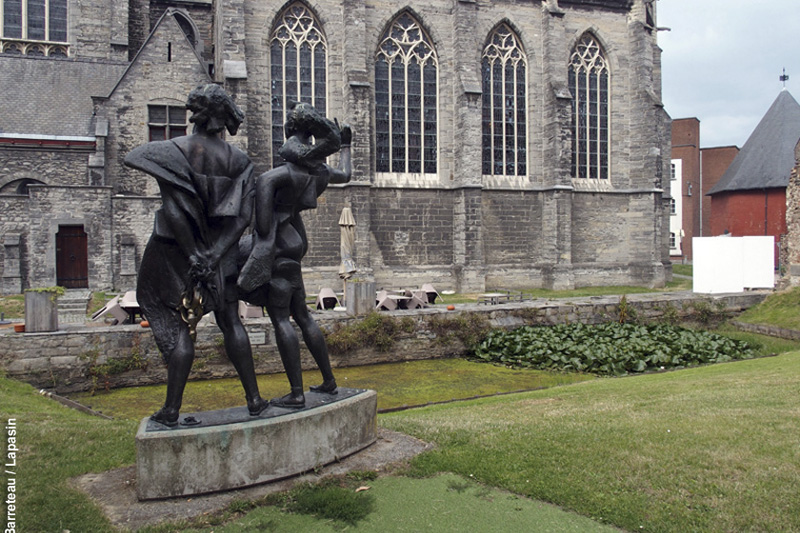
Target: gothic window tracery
[
  {"x": 406, "y": 82},
  {"x": 589, "y": 82},
  {"x": 298, "y": 62},
  {"x": 504, "y": 115}
]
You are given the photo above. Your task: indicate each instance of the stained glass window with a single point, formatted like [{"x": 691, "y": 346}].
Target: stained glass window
[
  {"x": 504, "y": 129},
  {"x": 298, "y": 55},
  {"x": 589, "y": 83},
  {"x": 37, "y": 20},
  {"x": 12, "y": 19},
  {"x": 406, "y": 88}
]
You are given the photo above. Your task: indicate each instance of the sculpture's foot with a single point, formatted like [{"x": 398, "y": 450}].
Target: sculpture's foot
[
  {"x": 328, "y": 387},
  {"x": 166, "y": 416},
  {"x": 292, "y": 400},
  {"x": 257, "y": 405}
]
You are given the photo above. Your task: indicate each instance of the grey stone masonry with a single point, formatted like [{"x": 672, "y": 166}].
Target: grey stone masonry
[
  {"x": 455, "y": 227},
  {"x": 120, "y": 356}
]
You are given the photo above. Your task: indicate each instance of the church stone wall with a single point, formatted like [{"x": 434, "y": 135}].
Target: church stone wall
[
  {"x": 164, "y": 73},
  {"x": 133, "y": 223},
  {"x": 14, "y": 231},
  {"x": 458, "y": 228},
  {"x": 51, "y": 207},
  {"x": 62, "y": 167}
]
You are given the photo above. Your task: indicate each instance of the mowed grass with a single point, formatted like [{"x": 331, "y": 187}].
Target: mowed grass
[
  {"x": 781, "y": 309},
  {"x": 715, "y": 448},
  {"x": 399, "y": 385},
  {"x": 58, "y": 443},
  {"x": 442, "y": 504}
]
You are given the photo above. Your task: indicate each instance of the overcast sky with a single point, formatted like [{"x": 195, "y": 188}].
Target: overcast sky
[{"x": 722, "y": 60}]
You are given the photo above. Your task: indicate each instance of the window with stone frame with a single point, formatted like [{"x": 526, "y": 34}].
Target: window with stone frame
[
  {"x": 166, "y": 122},
  {"x": 650, "y": 13},
  {"x": 589, "y": 82},
  {"x": 673, "y": 206},
  {"x": 36, "y": 20},
  {"x": 298, "y": 67},
  {"x": 504, "y": 115},
  {"x": 406, "y": 85}
]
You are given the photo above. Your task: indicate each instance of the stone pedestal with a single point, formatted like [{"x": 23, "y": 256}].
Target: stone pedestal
[
  {"x": 230, "y": 449},
  {"x": 41, "y": 311},
  {"x": 360, "y": 297}
]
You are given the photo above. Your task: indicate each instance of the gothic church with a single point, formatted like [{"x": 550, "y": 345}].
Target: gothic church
[{"x": 498, "y": 143}]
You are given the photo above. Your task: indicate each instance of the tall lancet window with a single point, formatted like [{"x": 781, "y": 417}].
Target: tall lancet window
[
  {"x": 589, "y": 83},
  {"x": 504, "y": 105},
  {"x": 298, "y": 62},
  {"x": 406, "y": 99}
]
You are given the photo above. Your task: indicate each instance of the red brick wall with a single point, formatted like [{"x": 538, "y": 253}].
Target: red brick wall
[
  {"x": 744, "y": 213},
  {"x": 686, "y": 146}
]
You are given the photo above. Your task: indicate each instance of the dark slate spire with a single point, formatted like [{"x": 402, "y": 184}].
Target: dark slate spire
[{"x": 767, "y": 158}]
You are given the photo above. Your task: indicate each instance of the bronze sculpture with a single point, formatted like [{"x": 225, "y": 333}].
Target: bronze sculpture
[
  {"x": 189, "y": 267},
  {"x": 198, "y": 261},
  {"x": 271, "y": 276}
]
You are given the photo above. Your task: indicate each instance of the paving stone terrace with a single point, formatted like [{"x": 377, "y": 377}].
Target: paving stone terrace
[{"x": 83, "y": 358}]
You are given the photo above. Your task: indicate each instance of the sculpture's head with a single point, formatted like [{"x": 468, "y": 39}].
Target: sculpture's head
[
  {"x": 213, "y": 109},
  {"x": 301, "y": 118}
]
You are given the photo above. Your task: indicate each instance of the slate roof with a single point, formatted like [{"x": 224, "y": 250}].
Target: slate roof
[
  {"x": 767, "y": 158},
  {"x": 47, "y": 96}
]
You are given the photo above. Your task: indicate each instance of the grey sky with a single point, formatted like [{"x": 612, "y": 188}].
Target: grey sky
[{"x": 722, "y": 60}]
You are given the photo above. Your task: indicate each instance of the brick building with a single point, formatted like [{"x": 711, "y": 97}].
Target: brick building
[
  {"x": 750, "y": 198},
  {"x": 695, "y": 171},
  {"x": 497, "y": 142}
]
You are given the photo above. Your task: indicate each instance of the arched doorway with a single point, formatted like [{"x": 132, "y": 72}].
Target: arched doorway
[{"x": 72, "y": 265}]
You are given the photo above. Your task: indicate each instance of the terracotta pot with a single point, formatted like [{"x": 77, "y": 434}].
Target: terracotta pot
[{"x": 19, "y": 328}]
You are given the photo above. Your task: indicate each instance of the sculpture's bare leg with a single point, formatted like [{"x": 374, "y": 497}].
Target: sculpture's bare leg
[
  {"x": 237, "y": 347},
  {"x": 315, "y": 340},
  {"x": 289, "y": 348},
  {"x": 179, "y": 364}
]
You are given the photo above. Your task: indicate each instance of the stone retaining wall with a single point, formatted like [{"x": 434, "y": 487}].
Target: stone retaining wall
[
  {"x": 772, "y": 331},
  {"x": 120, "y": 356}
]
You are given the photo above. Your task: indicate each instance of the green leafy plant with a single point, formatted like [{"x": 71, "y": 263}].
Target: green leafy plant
[
  {"x": 375, "y": 330},
  {"x": 469, "y": 328},
  {"x": 609, "y": 349},
  {"x": 625, "y": 311}
]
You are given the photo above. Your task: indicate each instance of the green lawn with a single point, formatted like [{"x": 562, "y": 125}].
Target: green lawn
[
  {"x": 715, "y": 448},
  {"x": 781, "y": 309},
  {"x": 443, "y": 504}
]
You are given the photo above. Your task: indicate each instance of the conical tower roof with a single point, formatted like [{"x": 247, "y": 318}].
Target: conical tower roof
[{"x": 767, "y": 158}]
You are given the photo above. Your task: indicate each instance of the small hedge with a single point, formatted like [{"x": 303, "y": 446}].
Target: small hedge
[{"x": 609, "y": 349}]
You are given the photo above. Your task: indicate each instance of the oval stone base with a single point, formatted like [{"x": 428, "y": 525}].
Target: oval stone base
[{"x": 221, "y": 450}]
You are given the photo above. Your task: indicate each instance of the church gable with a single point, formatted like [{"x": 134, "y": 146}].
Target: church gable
[{"x": 148, "y": 101}]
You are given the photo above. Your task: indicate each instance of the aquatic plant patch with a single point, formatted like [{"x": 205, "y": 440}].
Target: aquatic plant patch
[{"x": 609, "y": 349}]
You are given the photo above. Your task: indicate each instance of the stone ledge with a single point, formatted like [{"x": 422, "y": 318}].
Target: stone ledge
[{"x": 280, "y": 443}]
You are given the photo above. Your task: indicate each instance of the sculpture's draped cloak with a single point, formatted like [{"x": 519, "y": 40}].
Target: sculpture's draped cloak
[
  {"x": 203, "y": 202},
  {"x": 287, "y": 242}
]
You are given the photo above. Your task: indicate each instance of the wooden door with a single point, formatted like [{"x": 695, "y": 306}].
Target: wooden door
[{"x": 72, "y": 265}]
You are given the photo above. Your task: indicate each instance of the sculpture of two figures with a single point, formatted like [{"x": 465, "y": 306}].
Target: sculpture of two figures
[{"x": 198, "y": 261}]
